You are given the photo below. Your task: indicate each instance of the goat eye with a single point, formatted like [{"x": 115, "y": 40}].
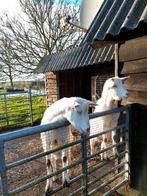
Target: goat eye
[{"x": 79, "y": 112}]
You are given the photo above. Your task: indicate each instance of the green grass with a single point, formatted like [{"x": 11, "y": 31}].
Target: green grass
[
  {"x": 2, "y": 91},
  {"x": 18, "y": 111}
]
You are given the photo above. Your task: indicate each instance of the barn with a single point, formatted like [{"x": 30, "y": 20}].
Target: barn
[
  {"x": 116, "y": 42},
  {"x": 77, "y": 72},
  {"x": 124, "y": 24}
]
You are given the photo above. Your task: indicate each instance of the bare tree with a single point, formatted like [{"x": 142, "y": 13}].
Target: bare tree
[
  {"x": 7, "y": 61},
  {"x": 38, "y": 32}
]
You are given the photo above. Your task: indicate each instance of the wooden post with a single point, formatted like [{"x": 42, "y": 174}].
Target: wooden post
[{"x": 116, "y": 60}]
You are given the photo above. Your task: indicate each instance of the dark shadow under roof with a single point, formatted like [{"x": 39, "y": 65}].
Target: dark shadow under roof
[
  {"x": 75, "y": 58},
  {"x": 118, "y": 20}
]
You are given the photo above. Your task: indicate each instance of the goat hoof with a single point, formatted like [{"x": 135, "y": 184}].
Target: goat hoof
[
  {"x": 66, "y": 184},
  {"x": 48, "y": 192},
  {"x": 105, "y": 159}
]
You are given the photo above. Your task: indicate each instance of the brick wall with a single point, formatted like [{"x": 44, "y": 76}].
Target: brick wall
[{"x": 51, "y": 87}]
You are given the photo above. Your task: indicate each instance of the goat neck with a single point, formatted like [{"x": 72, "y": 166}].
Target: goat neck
[{"x": 107, "y": 100}]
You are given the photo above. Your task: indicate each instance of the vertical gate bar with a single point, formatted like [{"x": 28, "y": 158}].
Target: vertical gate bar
[
  {"x": 30, "y": 106},
  {"x": 127, "y": 145},
  {"x": 84, "y": 163},
  {"x": 3, "y": 172},
  {"x": 5, "y": 106}
]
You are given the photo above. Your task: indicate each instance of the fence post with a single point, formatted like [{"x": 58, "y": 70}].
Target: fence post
[
  {"x": 5, "y": 106},
  {"x": 84, "y": 163},
  {"x": 3, "y": 173},
  {"x": 30, "y": 106}
]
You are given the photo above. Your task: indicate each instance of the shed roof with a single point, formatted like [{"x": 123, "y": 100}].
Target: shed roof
[
  {"x": 75, "y": 58},
  {"x": 116, "y": 19}
]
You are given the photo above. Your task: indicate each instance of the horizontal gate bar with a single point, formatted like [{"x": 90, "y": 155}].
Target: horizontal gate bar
[
  {"x": 39, "y": 155},
  {"x": 116, "y": 187},
  {"x": 107, "y": 131},
  {"x": 43, "y": 178},
  {"x": 71, "y": 181},
  {"x": 12, "y": 93},
  {"x": 31, "y": 131},
  {"x": 107, "y": 182},
  {"x": 105, "y": 162},
  {"x": 106, "y": 173},
  {"x": 98, "y": 114},
  {"x": 106, "y": 149}
]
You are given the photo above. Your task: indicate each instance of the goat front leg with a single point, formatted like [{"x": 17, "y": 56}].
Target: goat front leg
[
  {"x": 115, "y": 140},
  {"x": 65, "y": 162},
  {"x": 92, "y": 142},
  {"x": 104, "y": 145},
  {"x": 49, "y": 182}
]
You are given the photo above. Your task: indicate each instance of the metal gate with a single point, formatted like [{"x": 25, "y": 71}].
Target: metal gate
[
  {"x": 17, "y": 109},
  {"x": 23, "y": 169}
]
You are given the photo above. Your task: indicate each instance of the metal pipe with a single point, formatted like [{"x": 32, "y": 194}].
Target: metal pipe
[
  {"x": 3, "y": 172},
  {"x": 84, "y": 163},
  {"x": 43, "y": 178},
  {"x": 6, "y": 112},
  {"x": 30, "y": 107},
  {"x": 107, "y": 182},
  {"x": 116, "y": 188},
  {"x": 116, "y": 60},
  {"x": 39, "y": 155}
]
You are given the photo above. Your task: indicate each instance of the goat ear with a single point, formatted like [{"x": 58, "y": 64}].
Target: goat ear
[
  {"x": 75, "y": 105},
  {"x": 91, "y": 104},
  {"x": 125, "y": 78},
  {"x": 112, "y": 83}
]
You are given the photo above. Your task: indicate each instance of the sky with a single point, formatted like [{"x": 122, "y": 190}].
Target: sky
[{"x": 11, "y": 6}]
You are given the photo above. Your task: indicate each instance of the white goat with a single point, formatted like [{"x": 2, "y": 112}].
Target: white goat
[
  {"x": 75, "y": 110},
  {"x": 113, "y": 91}
]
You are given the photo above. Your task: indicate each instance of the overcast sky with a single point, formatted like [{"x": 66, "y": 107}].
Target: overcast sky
[{"x": 11, "y": 6}]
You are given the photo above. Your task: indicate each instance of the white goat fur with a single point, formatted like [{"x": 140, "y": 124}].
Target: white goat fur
[
  {"x": 113, "y": 91},
  {"x": 75, "y": 110}
]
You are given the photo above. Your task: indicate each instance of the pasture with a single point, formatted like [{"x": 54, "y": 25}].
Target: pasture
[{"x": 20, "y": 109}]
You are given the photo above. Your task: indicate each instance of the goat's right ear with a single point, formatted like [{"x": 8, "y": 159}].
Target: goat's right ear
[
  {"x": 75, "y": 105},
  {"x": 125, "y": 78}
]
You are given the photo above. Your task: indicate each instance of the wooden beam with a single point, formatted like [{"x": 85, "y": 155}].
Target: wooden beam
[
  {"x": 136, "y": 97},
  {"x": 137, "y": 82},
  {"x": 138, "y": 66},
  {"x": 133, "y": 49}
]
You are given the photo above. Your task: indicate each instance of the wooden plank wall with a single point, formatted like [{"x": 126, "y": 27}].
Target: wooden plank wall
[
  {"x": 75, "y": 83},
  {"x": 134, "y": 55}
]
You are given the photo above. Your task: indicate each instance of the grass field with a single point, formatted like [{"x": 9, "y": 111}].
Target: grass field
[{"x": 16, "y": 113}]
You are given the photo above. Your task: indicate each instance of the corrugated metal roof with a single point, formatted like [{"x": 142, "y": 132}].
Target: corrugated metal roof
[
  {"x": 75, "y": 58},
  {"x": 116, "y": 19}
]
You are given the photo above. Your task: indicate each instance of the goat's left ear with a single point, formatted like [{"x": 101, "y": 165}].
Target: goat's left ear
[
  {"x": 91, "y": 104},
  {"x": 125, "y": 78}
]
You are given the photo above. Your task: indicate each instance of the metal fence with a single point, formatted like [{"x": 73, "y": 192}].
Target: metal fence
[
  {"x": 18, "y": 109},
  {"x": 23, "y": 167}
]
